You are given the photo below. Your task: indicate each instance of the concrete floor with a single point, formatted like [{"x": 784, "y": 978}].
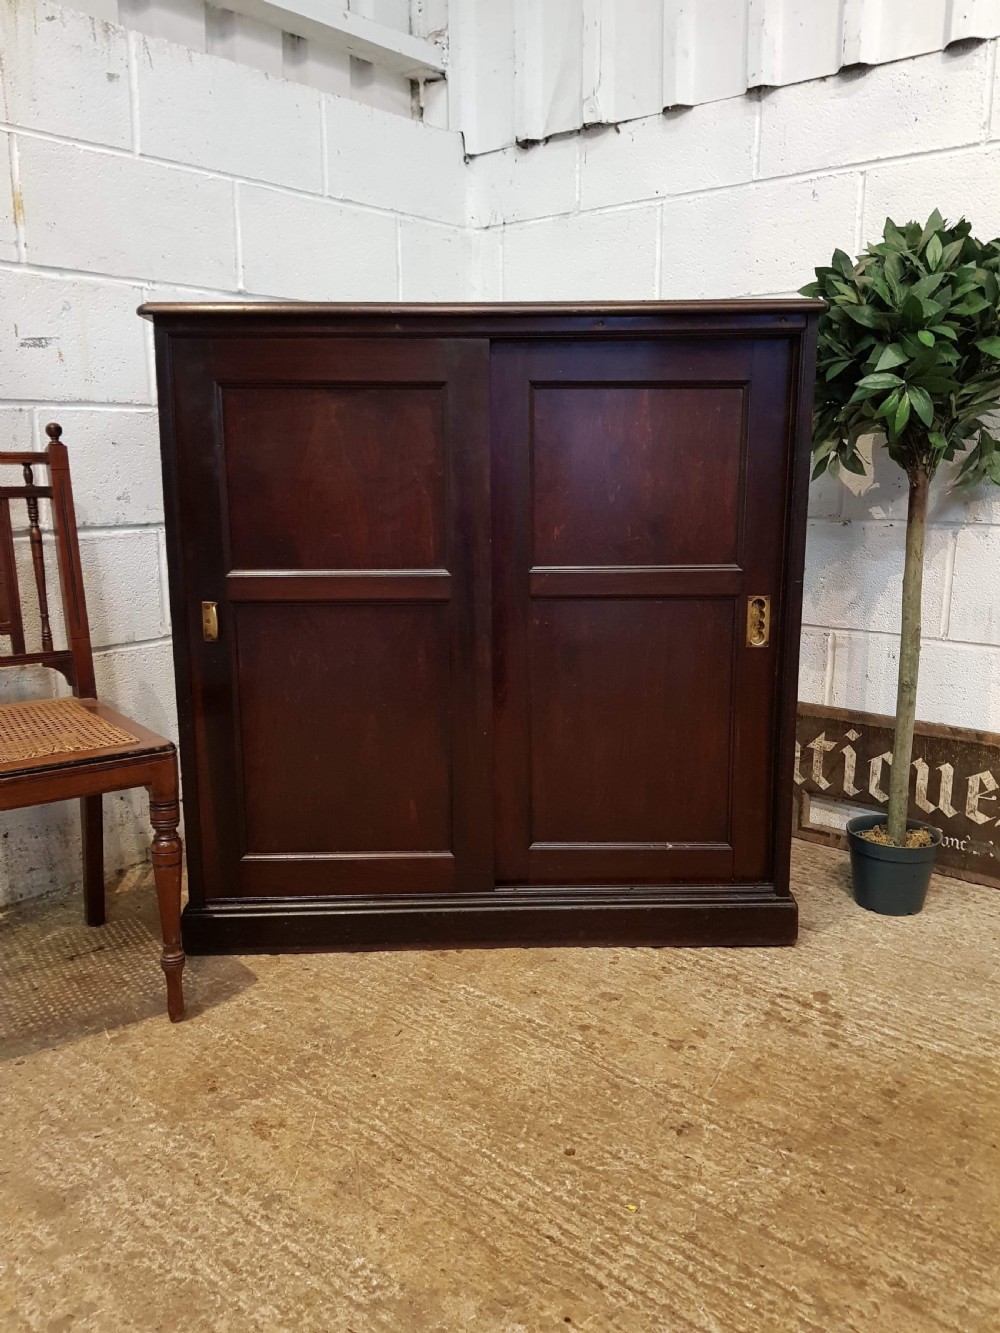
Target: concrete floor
[{"x": 639, "y": 1140}]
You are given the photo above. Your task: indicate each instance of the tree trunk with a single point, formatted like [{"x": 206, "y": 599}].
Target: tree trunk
[{"x": 909, "y": 655}]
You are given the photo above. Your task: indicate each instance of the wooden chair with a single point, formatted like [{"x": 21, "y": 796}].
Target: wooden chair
[{"x": 60, "y": 749}]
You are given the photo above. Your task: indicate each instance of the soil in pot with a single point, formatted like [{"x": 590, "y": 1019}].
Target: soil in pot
[{"x": 915, "y": 837}]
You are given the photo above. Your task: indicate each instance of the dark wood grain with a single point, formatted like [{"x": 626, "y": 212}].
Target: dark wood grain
[
  {"x": 641, "y": 474},
  {"x": 636, "y": 581},
  {"x": 718, "y": 915},
  {"x": 640, "y": 718},
  {"x": 615, "y": 689},
  {"x": 322, "y": 689},
  {"x": 333, "y": 503},
  {"x": 482, "y": 576},
  {"x": 71, "y": 772},
  {"x": 331, "y": 477}
]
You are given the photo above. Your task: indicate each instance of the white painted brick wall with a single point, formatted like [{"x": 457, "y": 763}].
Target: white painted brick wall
[
  {"x": 17, "y": 430},
  {"x": 374, "y": 157},
  {"x": 693, "y": 149},
  {"x": 64, "y": 73},
  {"x": 114, "y": 457},
  {"x": 935, "y": 101},
  {"x": 588, "y": 256},
  {"x": 8, "y": 228},
  {"x": 449, "y": 263},
  {"x": 765, "y": 237},
  {"x": 814, "y": 664},
  {"x": 974, "y": 613},
  {"x": 959, "y": 682},
  {"x": 121, "y": 576},
  {"x": 339, "y": 253},
  {"x": 147, "y": 170},
  {"x": 70, "y": 340},
  {"x": 957, "y": 183},
  {"x": 119, "y": 214},
  {"x": 208, "y": 112},
  {"x": 517, "y": 184},
  {"x": 862, "y": 593}
]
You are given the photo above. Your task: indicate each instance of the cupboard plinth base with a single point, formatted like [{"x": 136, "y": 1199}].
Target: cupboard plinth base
[{"x": 720, "y": 916}]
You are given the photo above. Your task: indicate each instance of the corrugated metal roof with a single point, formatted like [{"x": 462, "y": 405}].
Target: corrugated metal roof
[{"x": 578, "y": 62}]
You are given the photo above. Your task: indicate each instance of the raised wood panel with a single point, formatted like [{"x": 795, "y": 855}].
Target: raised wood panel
[
  {"x": 334, "y": 499},
  {"x": 636, "y": 506},
  {"x": 335, "y": 477},
  {"x": 630, "y": 713},
  {"x": 640, "y": 474},
  {"x": 344, "y": 728}
]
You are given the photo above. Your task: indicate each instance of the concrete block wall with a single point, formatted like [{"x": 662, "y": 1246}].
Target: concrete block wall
[
  {"x": 743, "y": 198},
  {"x": 134, "y": 169}
]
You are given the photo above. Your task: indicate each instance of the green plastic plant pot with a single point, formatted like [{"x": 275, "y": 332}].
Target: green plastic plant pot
[{"x": 890, "y": 880}]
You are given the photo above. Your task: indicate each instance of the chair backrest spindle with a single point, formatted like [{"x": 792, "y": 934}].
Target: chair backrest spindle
[
  {"x": 76, "y": 661},
  {"x": 11, "y": 623},
  {"x": 38, "y": 560}
]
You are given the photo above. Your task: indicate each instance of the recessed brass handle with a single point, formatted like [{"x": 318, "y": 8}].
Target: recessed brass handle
[
  {"x": 758, "y": 621},
  {"x": 209, "y": 621}
]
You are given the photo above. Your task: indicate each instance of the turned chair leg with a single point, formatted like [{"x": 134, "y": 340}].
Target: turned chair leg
[
  {"x": 92, "y": 823},
  {"x": 164, "y": 813}
]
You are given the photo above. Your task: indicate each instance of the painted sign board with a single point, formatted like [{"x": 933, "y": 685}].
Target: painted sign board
[{"x": 842, "y": 764}]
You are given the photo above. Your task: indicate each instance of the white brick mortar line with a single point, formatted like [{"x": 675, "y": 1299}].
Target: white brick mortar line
[
  {"x": 814, "y": 174},
  {"x": 76, "y": 405},
  {"x": 15, "y": 189},
  {"x": 859, "y": 223},
  {"x": 949, "y": 584},
  {"x": 133, "y": 90},
  {"x": 60, "y": 274},
  {"x": 892, "y": 636},
  {"x": 971, "y": 148},
  {"x": 10, "y": 127},
  {"x": 938, "y": 524},
  {"x": 164, "y": 582},
  {"x": 991, "y": 69},
  {"x": 111, "y": 529},
  {"x": 238, "y": 239},
  {"x": 130, "y": 645},
  {"x": 149, "y": 347},
  {"x": 831, "y": 666},
  {"x": 658, "y": 254},
  {"x": 324, "y": 182}
]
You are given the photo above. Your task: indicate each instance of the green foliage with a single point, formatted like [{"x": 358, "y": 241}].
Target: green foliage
[{"x": 909, "y": 347}]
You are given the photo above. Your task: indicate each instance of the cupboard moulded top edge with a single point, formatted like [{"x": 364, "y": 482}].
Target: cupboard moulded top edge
[{"x": 492, "y": 315}]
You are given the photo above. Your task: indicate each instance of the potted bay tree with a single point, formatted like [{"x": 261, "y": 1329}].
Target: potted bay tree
[{"x": 909, "y": 351}]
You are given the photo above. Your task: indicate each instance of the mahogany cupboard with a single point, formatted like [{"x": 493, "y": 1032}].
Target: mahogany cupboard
[{"x": 486, "y": 619}]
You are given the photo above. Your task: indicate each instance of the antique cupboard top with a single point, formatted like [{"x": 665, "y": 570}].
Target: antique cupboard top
[{"x": 503, "y": 319}]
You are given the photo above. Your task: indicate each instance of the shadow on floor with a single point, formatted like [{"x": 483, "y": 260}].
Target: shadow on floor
[{"x": 61, "y": 980}]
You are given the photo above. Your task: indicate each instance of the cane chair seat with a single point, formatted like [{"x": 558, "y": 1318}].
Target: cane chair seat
[
  {"x": 47, "y": 732},
  {"x": 41, "y": 728}
]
